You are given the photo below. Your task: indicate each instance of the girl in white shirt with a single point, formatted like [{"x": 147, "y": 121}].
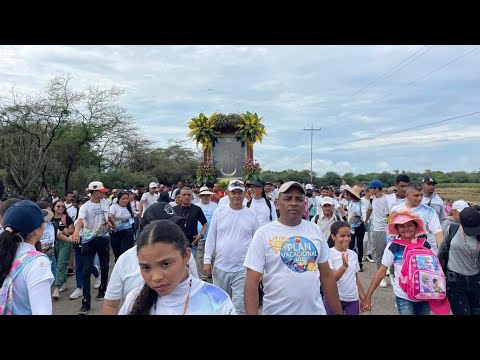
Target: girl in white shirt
[
  {"x": 345, "y": 266},
  {"x": 25, "y": 274}
]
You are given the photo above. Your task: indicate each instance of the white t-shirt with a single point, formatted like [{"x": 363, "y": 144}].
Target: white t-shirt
[
  {"x": 379, "y": 213},
  {"x": 436, "y": 203},
  {"x": 347, "y": 284},
  {"x": 393, "y": 255},
  {"x": 392, "y": 200},
  {"x": 225, "y": 201},
  {"x": 230, "y": 233},
  {"x": 287, "y": 256},
  {"x": 149, "y": 200},
  {"x": 95, "y": 216},
  {"x": 208, "y": 211},
  {"x": 205, "y": 299},
  {"x": 31, "y": 287},
  {"x": 48, "y": 239},
  {"x": 121, "y": 216},
  {"x": 429, "y": 217},
  {"x": 260, "y": 208},
  {"x": 71, "y": 211},
  {"x": 126, "y": 275}
]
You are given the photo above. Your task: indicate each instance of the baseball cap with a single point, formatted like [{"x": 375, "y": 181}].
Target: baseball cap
[
  {"x": 97, "y": 186},
  {"x": 459, "y": 205},
  {"x": 24, "y": 217},
  {"x": 470, "y": 220},
  {"x": 160, "y": 211},
  {"x": 236, "y": 184},
  {"x": 256, "y": 183},
  {"x": 288, "y": 185},
  {"x": 309, "y": 186},
  {"x": 152, "y": 185},
  {"x": 428, "y": 179},
  {"x": 375, "y": 184},
  {"x": 326, "y": 200}
]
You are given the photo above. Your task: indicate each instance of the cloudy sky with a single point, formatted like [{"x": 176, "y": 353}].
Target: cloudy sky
[{"x": 378, "y": 107}]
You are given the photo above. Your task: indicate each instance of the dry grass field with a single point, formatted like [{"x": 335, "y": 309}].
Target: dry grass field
[{"x": 468, "y": 192}]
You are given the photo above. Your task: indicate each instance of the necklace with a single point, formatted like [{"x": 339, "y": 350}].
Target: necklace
[
  {"x": 187, "y": 300},
  {"x": 187, "y": 214}
]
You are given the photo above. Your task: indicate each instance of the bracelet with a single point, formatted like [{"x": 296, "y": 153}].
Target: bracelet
[{"x": 345, "y": 267}]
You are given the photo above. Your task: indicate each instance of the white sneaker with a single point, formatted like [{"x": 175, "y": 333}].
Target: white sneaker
[
  {"x": 383, "y": 283},
  {"x": 76, "y": 294},
  {"x": 63, "y": 288},
  {"x": 56, "y": 294},
  {"x": 369, "y": 258},
  {"x": 97, "y": 283}
]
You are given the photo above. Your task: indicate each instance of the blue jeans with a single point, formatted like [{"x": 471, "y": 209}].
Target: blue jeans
[
  {"x": 79, "y": 268},
  {"x": 101, "y": 246},
  {"x": 406, "y": 307},
  {"x": 194, "y": 252}
]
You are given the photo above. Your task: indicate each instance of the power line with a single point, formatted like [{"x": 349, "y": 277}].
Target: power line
[
  {"x": 423, "y": 76},
  {"x": 408, "y": 129},
  {"x": 311, "y": 150},
  {"x": 412, "y": 82},
  {"x": 385, "y": 75}
]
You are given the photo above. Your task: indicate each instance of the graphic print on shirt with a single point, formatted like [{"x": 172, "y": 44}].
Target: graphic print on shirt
[{"x": 299, "y": 254}]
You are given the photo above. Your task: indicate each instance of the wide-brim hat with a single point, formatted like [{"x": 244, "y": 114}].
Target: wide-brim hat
[
  {"x": 402, "y": 217},
  {"x": 205, "y": 191},
  {"x": 355, "y": 191}
]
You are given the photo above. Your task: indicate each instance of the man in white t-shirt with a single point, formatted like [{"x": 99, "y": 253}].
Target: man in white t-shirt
[
  {"x": 430, "y": 198},
  {"x": 379, "y": 212},
  {"x": 229, "y": 235},
  {"x": 400, "y": 196},
  {"x": 126, "y": 274},
  {"x": 148, "y": 199},
  {"x": 426, "y": 213},
  {"x": 93, "y": 219},
  {"x": 208, "y": 207},
  {"x": 292, "y": 256}
]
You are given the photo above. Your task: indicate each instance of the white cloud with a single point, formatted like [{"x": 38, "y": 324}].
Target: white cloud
[{"x": 292, "y": 87}]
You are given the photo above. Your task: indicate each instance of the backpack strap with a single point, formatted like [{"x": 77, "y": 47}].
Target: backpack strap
[
  {"x": 315, "y": 219},
  {"x": 6, "y": 291},
  {"x": 249, "y": 203},
  {"x": 269, "y": 207},
  {"x": 443, "y": 256},
  {"x": 418, "y": 244}
]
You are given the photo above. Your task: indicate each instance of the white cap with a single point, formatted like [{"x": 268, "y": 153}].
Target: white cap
[
  {"x": 327, "y": 200},
  {"x": 152, "y": 185},
  {"x": 98, "y": 186},
  {"x": 459, "y": 205},
  {"x": 309, "y": 187},
  {"x": 236, "y": 184}
]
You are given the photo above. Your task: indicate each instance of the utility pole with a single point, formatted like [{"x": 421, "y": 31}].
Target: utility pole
[{"x": 311, "y": 150}]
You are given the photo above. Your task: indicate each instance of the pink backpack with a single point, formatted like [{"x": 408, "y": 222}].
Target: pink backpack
[{"x": 421, "y": 276}]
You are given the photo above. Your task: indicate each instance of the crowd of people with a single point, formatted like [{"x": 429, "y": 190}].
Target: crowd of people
[{"x": 254, "y": 248}]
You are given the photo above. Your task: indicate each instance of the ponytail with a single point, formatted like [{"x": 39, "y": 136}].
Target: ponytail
[
  {"x": 8, "y": 248},
  {"x": 144, "y": 301}
]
